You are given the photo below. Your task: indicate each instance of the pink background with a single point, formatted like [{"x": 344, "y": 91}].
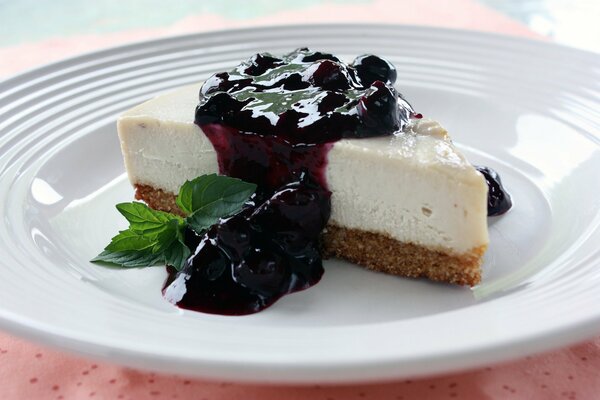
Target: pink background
[{"x": 29, "y": 371}]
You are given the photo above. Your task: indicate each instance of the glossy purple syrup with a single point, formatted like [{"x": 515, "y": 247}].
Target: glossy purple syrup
[
  {"x": 246, "y": 262},
  {"x": 272, "y": 121},
  {"x": 499, "y": 200},
  {"x": 305, "y": 98},
  {"x": 268, "y": 161}
]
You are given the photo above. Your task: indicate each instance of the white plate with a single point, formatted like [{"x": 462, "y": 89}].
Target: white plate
[{"x": 528, "y": 109}]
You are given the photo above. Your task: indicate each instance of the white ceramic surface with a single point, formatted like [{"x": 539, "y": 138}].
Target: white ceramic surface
[{"x": 528, "y": 109}]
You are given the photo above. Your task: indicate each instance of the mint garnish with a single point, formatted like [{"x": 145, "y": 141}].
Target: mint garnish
[
  {"x": 157, "y": 237},
  {"x": 153, "y": 237}
]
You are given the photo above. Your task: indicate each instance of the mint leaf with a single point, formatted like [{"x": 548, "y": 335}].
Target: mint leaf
[
  {"x": 129, "y": 240},
  {"x": 154, "y": 237},
  {"x": 144, "y": 220},
  {"x": 177, "y": 254},
  {"x": 129, "y": 258},
  {"x": 210, "y": 197},
  {"x": 201, "y": 221},
  {"x": 213, "y": 191},
  {"x": 166, "y": 236}
]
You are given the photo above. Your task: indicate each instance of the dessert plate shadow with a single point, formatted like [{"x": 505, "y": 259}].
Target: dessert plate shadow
[{"x": 514, "y": 105}]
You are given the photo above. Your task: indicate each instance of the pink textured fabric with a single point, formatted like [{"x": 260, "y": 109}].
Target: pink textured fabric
[{"x": 29, "y": 371}]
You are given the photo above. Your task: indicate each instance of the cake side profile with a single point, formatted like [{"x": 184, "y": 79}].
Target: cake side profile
[{"x": 408, "y": 204}]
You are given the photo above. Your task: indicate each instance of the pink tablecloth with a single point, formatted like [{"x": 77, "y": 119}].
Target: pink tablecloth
[{"x": 30, "y": 371}]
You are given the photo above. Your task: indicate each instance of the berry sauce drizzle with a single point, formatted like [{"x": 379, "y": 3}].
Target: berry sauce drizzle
[
  {"x": 272, "y": 121},
  {"x": 246, "y": 262},
  {"x": 305, "y": 98},
  {"x": 268, "y": 161}
]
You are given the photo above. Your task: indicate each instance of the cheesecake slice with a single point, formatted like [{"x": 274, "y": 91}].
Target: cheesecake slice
[{"x": 408, "y": 204}]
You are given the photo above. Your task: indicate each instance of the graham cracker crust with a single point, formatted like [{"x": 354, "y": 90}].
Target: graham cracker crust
[
  {"x": 157, "y": 199},
  {"x": 372, "y": 250},
  {"x": 379, "y": 252}
]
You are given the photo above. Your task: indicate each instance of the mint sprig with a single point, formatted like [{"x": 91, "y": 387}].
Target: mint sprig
[
  {"x": 153, "y": 237},
  {"x": 157, "y": 237}
]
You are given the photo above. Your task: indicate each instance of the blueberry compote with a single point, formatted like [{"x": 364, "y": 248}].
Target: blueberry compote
[
  {"x": 272, "y": 121},
  {"x": 246, "y": 262}
]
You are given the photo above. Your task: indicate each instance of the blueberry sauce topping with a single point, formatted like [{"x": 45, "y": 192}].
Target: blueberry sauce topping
[
  {"x": 246, "y": 262},
  {"x": 499, "y": 200},
  {"x": 272, "y": 121},
  {"x": 306, "y": 98}
]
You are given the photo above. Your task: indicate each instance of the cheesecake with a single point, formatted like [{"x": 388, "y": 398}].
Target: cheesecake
[{"x": 404, "y": 202}]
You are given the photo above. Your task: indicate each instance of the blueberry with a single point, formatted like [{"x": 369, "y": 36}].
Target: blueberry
[
  {"x": 294, "y": 82},
  {"x": 216, "y": 108},
  {"x": 233, "y": 236},
  {"x": 209, "y": 262},
  {"x": 378, "y": 108},
  {"x": 499, "y": 201},
  {"x": 261, "y": 63},
  {"x": 308, "y": 266},
  {"x": 330, "y": 75},
  {"x": 317, "y": 55},
  {"x": 288, "y": 121},
  {"x": 331, "y": 101},
  {"x": 262, "y": 270},
  {"x": 301, "y": 207},
  {"x": 371, "y": 68}
]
